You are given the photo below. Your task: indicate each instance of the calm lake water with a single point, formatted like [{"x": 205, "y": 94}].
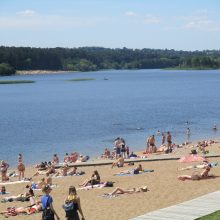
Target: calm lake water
[{"x": 54, "y": 115}]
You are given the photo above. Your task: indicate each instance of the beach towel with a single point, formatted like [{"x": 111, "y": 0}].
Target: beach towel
[
  {"x": 14, "y": 182},
  {"x": 108, "y": 195},
  {"x": 4, "y": 193},
  {"x": 191, "y": 158},
  {"x": 52, "y": 186},
  {"x": 77, "y": 174},
  {"x": 131, "y": 174},
  {"x": 101, "y": 185}
]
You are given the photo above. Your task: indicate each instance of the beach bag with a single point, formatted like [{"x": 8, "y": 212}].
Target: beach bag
[
  {"x": 109, "y": 184},
  {"x": 47, "y": 214},
  {"x": 68, "y": 206}
]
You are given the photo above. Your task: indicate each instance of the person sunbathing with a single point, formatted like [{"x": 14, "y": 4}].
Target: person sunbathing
[
  {"x": 50, "y": 170},
  {"x": 119, "y": 191},
  {"x": 95, "y": 179},
  {"x": 133, "y": 171},
  {"x": 202, "y": 165},
  {"x": 72, "y": 172},
  {"x": 119, "y": 162},
  {"x": 197, "y": 176},
  {"x": 12, "y": 211},
  {"x": 63, "y": 171},
  {"x": 27, "y": 196}
]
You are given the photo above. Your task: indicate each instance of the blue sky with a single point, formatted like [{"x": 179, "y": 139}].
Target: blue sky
[{"x": 159, "y": 24}]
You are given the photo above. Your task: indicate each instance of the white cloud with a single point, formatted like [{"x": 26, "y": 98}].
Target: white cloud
[
  {"x": 130, "y": 14},
  {"x": 151, "y": 19},
  {"x": 46, "y": 21},
  {"x": 144, "y": 19},
  {"x": 203, "y": 23},
  {"x": 26, "y": 13}
]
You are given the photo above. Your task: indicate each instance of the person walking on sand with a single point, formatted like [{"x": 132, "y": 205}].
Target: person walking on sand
[
  {"x": 47, "y": 204},
  {"x": 73, "y": 200}
]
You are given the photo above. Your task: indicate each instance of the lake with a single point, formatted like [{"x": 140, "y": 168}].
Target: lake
[{"x": 54, "y": 115}]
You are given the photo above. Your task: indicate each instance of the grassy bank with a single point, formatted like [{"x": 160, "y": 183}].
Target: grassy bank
[
  {"x": 212, "y": 216},
  {"x": 16, "y": 81}
]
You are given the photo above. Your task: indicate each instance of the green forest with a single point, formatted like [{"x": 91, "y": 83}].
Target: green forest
[{"x": 98, "y": 58}]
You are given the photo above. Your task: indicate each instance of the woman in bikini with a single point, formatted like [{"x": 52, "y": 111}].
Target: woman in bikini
[
  {"x": 119, "y": 191},
  {"x": 204, "y": 174},
  {"x": 95, "y": 179}
]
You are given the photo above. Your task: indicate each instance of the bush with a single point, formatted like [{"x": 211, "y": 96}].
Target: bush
[{"x": 6, "y": 69}]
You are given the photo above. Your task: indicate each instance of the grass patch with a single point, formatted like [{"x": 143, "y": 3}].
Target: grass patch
[
  {"x": 80, "y": 79},
  {"x": 16, "y": 81},
  {"x": 212, "y": 216}
]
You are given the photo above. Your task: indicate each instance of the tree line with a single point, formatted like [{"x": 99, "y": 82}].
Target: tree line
[{"x": 98, "y": 58}]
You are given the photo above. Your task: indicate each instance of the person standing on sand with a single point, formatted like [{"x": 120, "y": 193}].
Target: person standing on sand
[
  {"x": 152, "y": 144},
  {"x": 169, "y": 142},
  {"x": 20, "y": 167},
  {"x": 163, "y": 139},
  {"x": 4, "y": 167},
  {"x": 55, "y": 159},
  {"x": 117, "y": 147},
  {"x": 148, "y": 145}
]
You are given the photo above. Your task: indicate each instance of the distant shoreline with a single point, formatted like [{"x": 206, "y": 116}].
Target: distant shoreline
[{"x": 34, "y": 72}]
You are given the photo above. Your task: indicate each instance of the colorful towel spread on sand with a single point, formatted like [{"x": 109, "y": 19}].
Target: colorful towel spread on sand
[
  {"x": 131, "y": 174},
  {"x": 191, "y": 158},
  {"x": 14, "y": 182}
]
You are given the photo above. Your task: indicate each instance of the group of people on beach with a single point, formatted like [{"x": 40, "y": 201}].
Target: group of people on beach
[{"x": 166, "y": 143}]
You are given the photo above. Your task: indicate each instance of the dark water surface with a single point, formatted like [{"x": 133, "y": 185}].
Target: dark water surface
[{"x": 54, "y": 115}]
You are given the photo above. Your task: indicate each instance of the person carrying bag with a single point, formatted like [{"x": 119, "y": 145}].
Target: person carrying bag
[{"x": 47, "y": 205}]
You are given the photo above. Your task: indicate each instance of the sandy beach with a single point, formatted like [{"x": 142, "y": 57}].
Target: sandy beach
[
  {"x": 34, "y": 72},
  {"x": 164, "y": 189}
]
